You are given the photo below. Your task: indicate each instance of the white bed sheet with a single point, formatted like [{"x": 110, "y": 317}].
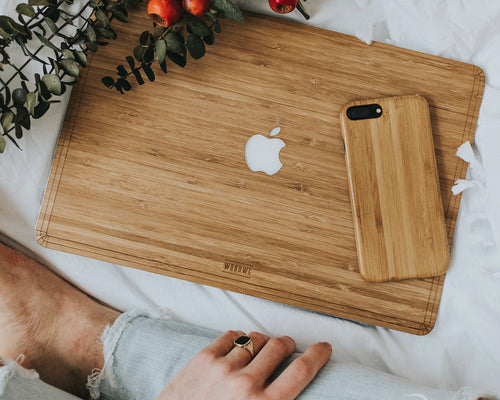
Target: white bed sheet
[{"x": 464, "y": 347}]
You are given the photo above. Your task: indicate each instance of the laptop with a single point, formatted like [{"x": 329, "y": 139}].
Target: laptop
[{"x": 230, "y": 172}]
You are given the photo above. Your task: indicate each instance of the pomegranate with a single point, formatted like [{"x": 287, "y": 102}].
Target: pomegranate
[
  {"x": 196, "y": 7},
  {"x": 164, "y": 12}
]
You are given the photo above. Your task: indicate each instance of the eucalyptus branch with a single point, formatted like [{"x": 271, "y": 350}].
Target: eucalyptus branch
[
  {"x": 169, "y": 43},
  {"x": 46, "y": 24}
]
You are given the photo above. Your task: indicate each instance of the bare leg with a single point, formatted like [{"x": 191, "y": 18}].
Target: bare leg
[{"x": 52, "y": 323}]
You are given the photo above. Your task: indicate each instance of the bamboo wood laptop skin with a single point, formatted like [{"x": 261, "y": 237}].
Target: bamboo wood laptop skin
[
  {"x": 156, "y": 179},
  {"x": 394, "y": 184}
]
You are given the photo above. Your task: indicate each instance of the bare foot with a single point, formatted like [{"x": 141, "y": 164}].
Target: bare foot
[{"x": 52, "y": 323}]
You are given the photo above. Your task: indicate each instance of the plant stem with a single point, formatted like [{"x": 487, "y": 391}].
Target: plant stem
[{"x": 302, "y": 10}]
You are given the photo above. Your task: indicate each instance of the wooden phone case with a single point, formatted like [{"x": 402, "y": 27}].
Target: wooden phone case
[{"x": 395, "y": 193}]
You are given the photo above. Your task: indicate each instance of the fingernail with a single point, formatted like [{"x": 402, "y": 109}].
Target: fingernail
[{"x": 327, "y": 345}]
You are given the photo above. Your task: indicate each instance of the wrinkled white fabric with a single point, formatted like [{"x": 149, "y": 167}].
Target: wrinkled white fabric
[{"x": 464, "y": 347}]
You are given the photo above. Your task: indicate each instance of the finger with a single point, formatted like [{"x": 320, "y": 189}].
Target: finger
[
  {"x": 239, "y": 357},
  {"x": 294, "y": 379},
  {"x": 223, "y": 344},
  {"x": 270, "y": 357}
]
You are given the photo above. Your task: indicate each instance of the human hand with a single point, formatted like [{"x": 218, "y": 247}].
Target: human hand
[{"x": 222, "y": 371}]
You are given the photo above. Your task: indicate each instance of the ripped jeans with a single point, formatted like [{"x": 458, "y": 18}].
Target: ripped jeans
[{"x": 142, "y": 353}]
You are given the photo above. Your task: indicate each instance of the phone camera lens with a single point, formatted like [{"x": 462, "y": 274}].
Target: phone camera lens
[
  {"x": 364, "y": 112},
  {"x": 358, "y": 112}
]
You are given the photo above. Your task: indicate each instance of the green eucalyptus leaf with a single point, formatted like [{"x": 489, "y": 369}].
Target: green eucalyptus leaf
[
  {"x": 31, "y": 102},
  {"x": 51, "y": 24},
  {"x": 175, "y": 42},
  {"x": 92, "y": 46},
  {"x": 108, "y": 81},
  {"x": 19, "y": 96},
  {"x": 217, "y": 27},
  {"x": 81, "y": 57},
  {"x": 118, "y": 87},
  {"x": 4, "y": 34},
  {"x": 43, "y": 92},
  {"x": 195, "y": 46},
  {"x": 149, "y": 54},
  {"x": 120, "y": 15},
  {"x": 41, "y": 3},
  {"x": 19, "y": 131},
  {"x": 179, "y": 59},
  {"x": 163, "y": 66},
  {"x": 7, "y": 95},
  {"x": 25, "y": 9},
  {"x": 130, "y": 61},
  {"x": 54, "y": 65},
  {"x": 161, "y": 50},
  {"x": 5, "y": 24},
  {"x": 199, "y": 27},
  {"x": 20, "y": 29},
  {"x": 149, "y": 72},
  {"x": 209, "y": 39},
  {"x": 53, "y": 14},
  {"x": 2, "y": 144},
  {"x": 121, "y": 71},
  {"x": 53, "y": 83},
  {"x": 138, "y": 77},
  {"x": 124, "y": 84},
  {"x": 229, "y": 9},
  {"x": 107, "y": 33},
  {"x": 41, "y": 109},
  {"x": 68, "y": 54},
  {"x": 71, "y": 67},
  {"x": 6, "y": 120},
  {"x": 143, "y": 39},
  {"x": 139, "y": 52},
  {"x": 90, "y": 34},
  {"x": 10, "y": 26},
  {"x": 22, "y": 117},
  {"x": 96, "y": 3},
  {"x": 102, "y": 17}
]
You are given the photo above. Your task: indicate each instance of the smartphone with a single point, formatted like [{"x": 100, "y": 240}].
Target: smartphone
[{"x": 394, "y": 185}]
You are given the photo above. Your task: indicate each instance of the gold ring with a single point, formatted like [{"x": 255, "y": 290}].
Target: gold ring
[{"x": 246, "y": 343}]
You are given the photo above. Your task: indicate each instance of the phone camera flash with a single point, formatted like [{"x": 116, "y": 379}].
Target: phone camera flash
[{"x": 379, "y": 110}]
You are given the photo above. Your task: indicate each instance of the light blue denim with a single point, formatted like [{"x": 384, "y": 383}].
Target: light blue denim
[{"x": 143, "y": 351}]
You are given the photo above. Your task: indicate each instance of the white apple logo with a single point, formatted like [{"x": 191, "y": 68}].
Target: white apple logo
[{"x": 262, "y": 154}]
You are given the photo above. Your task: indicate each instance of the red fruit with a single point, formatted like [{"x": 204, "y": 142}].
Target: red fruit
[
  {"x": 164, "y": 12},
  {"x": 196, "y": 7},
  {"x": 283, "y": 6}
]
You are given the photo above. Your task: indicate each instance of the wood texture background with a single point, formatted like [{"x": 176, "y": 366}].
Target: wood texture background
[
  {"x": 156, "y": 179},
  {"x": 394, "y": 184}
]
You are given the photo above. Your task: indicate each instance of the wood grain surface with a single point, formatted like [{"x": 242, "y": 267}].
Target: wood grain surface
[
  {"x": 394, "y": 184},
  {"x": 156, "y": 179}
]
